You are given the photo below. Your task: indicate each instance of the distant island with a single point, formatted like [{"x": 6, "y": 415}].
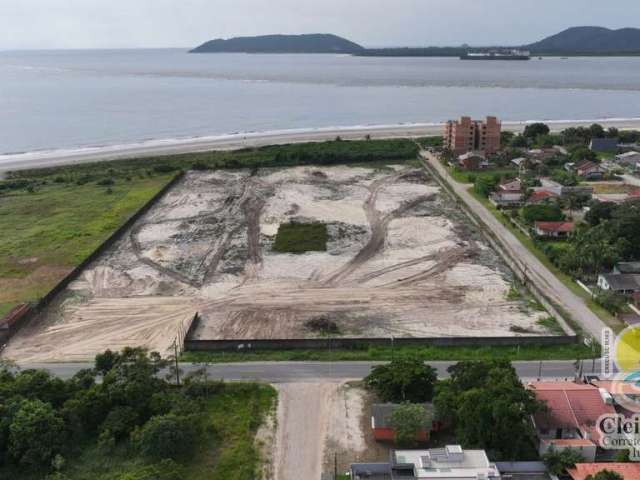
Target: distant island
[
  {"x": 307, "y": 43},
  {"x": 575, "y": 41}
]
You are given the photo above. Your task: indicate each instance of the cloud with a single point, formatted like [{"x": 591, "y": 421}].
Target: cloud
[{"x": 183, "y": 23}]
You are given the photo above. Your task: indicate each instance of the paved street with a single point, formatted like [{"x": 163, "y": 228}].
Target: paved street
[
  {"x": 311, "y": 372},
  {"x": 547, "y": 282}
]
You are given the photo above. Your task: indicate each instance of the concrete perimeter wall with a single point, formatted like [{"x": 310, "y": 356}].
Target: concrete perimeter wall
[
  {"x": 326, "y": 343},
  {"x": 31, "y": 313}
]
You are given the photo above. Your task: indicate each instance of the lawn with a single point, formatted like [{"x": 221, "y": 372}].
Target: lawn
[
  {"x": 301, "y": 237},
  {"x": 45, "y": 233},
  {"x": 605, "y": 316},
  {"x": 428, "y": 353},
  {"x": 461, "y": 176}
]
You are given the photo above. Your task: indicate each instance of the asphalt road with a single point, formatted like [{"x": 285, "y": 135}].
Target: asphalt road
[
  {"x": 322, "y": 372},
  {"x": 546, "y": 281}
]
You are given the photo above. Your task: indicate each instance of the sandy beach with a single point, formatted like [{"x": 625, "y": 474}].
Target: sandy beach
[{"x": 52, "y": 158}]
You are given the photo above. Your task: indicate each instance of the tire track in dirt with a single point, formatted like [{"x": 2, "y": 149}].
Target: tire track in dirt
[{"x": 379, "y": 224}]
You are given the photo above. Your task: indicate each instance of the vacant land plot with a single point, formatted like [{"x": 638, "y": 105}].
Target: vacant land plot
[
  {"x": 47, "y": 231},
  {"x": 400, "y": 261},
  {"x": 301, "y": 237}
]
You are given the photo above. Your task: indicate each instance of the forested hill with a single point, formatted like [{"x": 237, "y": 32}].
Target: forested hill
[
  {"x": 590, "y": 40},
  {"x": 308, "y": 43}
]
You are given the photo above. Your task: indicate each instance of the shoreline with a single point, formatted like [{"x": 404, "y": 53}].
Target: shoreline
[{"x": 236, "y": 141}]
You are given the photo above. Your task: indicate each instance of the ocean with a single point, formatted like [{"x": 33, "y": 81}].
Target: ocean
[{"x": 84, "y": 98}]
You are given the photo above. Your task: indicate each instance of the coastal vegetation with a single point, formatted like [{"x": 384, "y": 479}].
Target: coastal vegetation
[
  {"x": 53, "y": 218},
  {"x": 131, "y": 425}
]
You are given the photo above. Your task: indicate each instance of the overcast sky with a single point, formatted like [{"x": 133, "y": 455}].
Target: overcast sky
[{"x": 185, "y": 23}]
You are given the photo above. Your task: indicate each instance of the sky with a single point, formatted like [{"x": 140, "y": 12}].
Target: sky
[{"x": 40, "y": 24}]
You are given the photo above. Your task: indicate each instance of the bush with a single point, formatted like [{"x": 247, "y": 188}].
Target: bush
[
  {"x": 612, "y": 302},
  {"x": 166, "y": 436},
  {"x": 119, "y": 423},
  {"x": 164, "y": 168},
  {"x": 106, "y": 182},
  {"x": 557, "y": 462}
]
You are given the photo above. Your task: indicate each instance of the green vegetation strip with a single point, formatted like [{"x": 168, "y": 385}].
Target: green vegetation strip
[{"x": 523, "y": 353}]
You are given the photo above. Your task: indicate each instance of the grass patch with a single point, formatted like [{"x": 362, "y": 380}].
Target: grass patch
[
  {"x": 605, "y": 316},
  {"x": 47, "y": 231},
  {"x": 551, "y": 324},
  {"x": 462, "y": 176},
  {"x": 301, "y": 237},
  {"x": 428, "y": 353}
]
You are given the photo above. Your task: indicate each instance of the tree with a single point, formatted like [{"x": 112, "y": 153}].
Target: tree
[
  {"x": 564, "y": 178},
  {"x": 557, "y": 461},
  {"x": 597, "y": 131},
  {"x": 485, "y": 185},
  {"x": 583, "y": 153},
  {"x": 489, "y": 408},
  {"x": 519, "y": 141},
  {"x": 592, "y": 250},
  {"x": 534, "y": 130},
  {"x": 605, "y": 475},
  {"x": 599, "y": 212},
  {"x": 36, "y": 434},
  {"x": 166, "y": 436},
  {"x": 407, "y": 420},
  {"x": 612, "y": 302},
  {"x": 542, "y": 213},
  {"x": 407, "y": 379}
]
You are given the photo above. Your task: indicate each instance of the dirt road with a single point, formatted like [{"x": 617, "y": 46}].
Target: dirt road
[
  {"x": 535, "y": 270},
  {"x": 303, "y": 419}
]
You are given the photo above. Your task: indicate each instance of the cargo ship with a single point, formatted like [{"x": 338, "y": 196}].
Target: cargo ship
[{"x": 497, "y": 55}]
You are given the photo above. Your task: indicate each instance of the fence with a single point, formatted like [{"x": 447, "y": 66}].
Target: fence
[{"x": 109, "y": 242}]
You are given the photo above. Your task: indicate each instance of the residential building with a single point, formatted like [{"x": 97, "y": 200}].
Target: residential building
[
  {"x": 472, "y": 161},
  {"x": 466, "y": 135},
  {"x": 622, "y": 283},
  {"x": 564, "y": 191},
  {"x": 624, "y": 279},
  {"x": 582, "y": 471},
  {"x": 605, "y": 145},
  {"x": 521, "y": 163},
  {"x": 382, "y": 425},
  {"x": 586, "y": 169},
  {"x": 542, "y": 154},
  {"x": 627, "y": 267},
  {"x": 449, "y": 463},
  {"x": 508, "y": 194},
  {"x": 553, "y": 229},
  {"x": 628, "y": 159},
  {"x": 542, "y": 196},
  {"x": 570, "y": 420}
]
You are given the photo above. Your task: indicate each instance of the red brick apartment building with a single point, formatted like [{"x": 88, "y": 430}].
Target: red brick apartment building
[{"x": 468, "y": 135}]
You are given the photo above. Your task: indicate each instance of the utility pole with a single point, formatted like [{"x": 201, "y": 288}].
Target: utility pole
[
  {"x": 175, "y": 351},
  {"x": 540, "y": 371},
  {"x": 335, "y": 465}
]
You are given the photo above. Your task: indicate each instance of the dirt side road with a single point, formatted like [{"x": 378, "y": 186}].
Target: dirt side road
[
  {"x": 536, "y": 271},
  {"x": 304, "y": 410}
]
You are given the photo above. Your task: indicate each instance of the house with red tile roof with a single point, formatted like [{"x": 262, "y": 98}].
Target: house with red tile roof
[
  {"x": 581, "y": 471},
  {"x": 541, "y": 196},
  {"x": 570, "y": 418},
  {"x": 553, "y": 229},
  {"x": 508, "y": 194}
]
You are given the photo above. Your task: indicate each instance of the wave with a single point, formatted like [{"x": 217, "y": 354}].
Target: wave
[{"x": 236, "y": 139}]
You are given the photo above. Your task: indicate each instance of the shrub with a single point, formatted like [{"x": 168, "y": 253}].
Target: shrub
[
  {"x": 166, "y": 436},
  {"x": 164, "y": 168},
  {"x": 612, "y": 302},
  {"x": 542, "y": 213},
  {"x": 106, "y": 182}
]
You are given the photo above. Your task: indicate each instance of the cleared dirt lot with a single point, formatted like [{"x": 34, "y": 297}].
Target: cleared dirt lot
[{"x": 401, "y": 260}]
